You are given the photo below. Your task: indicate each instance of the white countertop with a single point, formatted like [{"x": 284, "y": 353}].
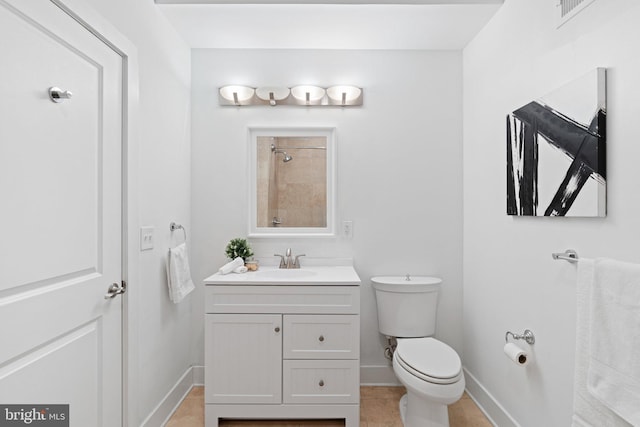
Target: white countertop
[{"x": 333, "y": 275}]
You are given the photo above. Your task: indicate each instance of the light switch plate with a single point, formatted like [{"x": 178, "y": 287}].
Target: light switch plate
[
  {"x": 347, "y": 229},
  {"x": 146, "y": 238}
]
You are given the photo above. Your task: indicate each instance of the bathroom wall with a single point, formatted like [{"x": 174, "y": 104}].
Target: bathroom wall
[
  {"x": 398, "y": 169},
  {"x": 510, "y": 279},
  {"x": 163, "y": 181}
]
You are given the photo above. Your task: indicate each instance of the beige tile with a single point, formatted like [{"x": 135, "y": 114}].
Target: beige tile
[
  {"x": 378, "y": 408},
  {"x": 381, "y": 392},
  {"x": 196, "y": 393},
  {"x": 191, "y": 412},
  {"x": 465, "y": 413}
]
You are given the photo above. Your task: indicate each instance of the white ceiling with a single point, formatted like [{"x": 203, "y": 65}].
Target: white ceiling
[{"x": 329, "y": 24}]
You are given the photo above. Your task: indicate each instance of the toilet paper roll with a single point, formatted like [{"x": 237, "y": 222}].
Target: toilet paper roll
[{"x": 516, "y": 354}]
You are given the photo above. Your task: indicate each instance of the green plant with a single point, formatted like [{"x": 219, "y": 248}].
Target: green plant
[{"x": 238, "y": 248}]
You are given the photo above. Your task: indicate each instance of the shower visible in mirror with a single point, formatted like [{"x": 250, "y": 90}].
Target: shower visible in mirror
[
  {"x": 293, "y": 191},
  {"x": 295, "y": 194},
  {"x": 287, "y": 158}
]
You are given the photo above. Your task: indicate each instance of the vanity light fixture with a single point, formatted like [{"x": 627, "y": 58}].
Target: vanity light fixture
[
  {"x": 302, "y": 95},
  {"x": 239, "y": 95}
]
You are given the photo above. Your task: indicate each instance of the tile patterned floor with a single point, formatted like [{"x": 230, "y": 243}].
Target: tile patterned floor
[{"x": 378, "y": 408}]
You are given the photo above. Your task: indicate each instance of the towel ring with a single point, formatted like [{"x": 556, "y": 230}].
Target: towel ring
[{"x": 174, "y": 226}]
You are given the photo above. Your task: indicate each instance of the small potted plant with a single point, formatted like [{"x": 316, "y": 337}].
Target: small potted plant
[{"x": 238, "y": 248}]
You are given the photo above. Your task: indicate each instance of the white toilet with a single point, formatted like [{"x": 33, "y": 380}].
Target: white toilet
[{"x": 430, "y": 370}]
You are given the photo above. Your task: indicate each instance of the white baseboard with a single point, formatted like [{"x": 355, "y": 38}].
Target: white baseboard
[
  {"x": 167, "y": 406},
  {"x": 198, "y": 375},
  {"x": 494, "y": 411},
  {"x": 381, "y": 375}
]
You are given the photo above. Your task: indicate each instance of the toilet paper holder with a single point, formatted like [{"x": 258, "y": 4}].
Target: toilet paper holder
[{"x": 527, "y": 336}]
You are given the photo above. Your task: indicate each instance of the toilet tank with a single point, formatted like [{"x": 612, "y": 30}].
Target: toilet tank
[{"x": 407, "y": 305}]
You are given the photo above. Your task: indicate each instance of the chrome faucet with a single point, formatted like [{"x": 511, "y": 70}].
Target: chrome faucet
[
  {"x": 288, "y": 254},
  {"x": 289, "y": 262},
  {"x": 296, "y": 262}
]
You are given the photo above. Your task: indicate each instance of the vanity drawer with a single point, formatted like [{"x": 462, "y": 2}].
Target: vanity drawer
[
  {"x": 321, "y": 336},
  {"x": 320, "y": 381},
  {"x": 282, "y": 299}
]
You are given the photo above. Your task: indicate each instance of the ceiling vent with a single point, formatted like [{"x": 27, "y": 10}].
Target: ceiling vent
[{"x": 567, "y": 9}]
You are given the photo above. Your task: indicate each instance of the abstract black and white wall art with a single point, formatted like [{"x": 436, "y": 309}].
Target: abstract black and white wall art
[{"x": 556, "y": 152}]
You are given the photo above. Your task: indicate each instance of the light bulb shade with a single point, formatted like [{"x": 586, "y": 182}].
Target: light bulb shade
[
  {"x": 237, "y": 94},
  {"x": 308, "y": 94},
  {"x": 345, "y": 95},
  {"x": 277, "y": 93}
]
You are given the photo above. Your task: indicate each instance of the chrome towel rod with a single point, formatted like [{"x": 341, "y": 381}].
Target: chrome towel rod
[
  {"x": 568, "y": 255},
  {"x": 175, "y": 226},
  {"x": 297, "y": 148}
]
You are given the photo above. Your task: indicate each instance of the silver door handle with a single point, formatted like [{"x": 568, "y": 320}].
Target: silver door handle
[
  {"x": 58, "y": 95},
  {"x": 115, "y": 289}
]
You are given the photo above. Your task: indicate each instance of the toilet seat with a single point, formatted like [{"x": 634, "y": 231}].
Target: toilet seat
[{"x": 429, "y": 359}]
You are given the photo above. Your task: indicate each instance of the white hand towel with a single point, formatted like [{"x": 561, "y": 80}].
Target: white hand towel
[
  {"x": 178, "y": 273},
  {"x": 587, "y": 410},
  {"x": 230, "y": 266},
  {"x": 240, "y": 270},
  {"x": 614, "y": 368}
]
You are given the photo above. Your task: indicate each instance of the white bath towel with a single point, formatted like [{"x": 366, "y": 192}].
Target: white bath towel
[
  {"x": 614, "y": 368},
  {"x": 178, "y": 273},
  {"x": 587, "y": 410},
  {"x": 230, "y": 266}
]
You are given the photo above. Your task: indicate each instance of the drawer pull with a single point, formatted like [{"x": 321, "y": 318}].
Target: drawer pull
[
  {"x": 321, "y": 383},
  {"x": 277, "y": 329},
  {"x": 321, "y": 338}
]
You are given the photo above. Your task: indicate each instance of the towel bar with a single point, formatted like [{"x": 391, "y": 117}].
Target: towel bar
[{"x": 568, "y": 255}]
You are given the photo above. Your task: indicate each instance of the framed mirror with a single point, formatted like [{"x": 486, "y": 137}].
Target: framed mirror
[{"x": 292, "y": 181}]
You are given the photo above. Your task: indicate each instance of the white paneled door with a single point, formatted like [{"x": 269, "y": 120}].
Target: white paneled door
[{"x": 60, "y": 215}]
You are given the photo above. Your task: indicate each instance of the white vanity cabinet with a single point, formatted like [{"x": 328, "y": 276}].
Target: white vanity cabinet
[
  {"x": 281, "y": 351},
  {"x": 243, "y": 358}
]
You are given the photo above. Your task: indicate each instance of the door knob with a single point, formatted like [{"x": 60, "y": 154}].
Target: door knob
[{"x": 115, "y": 289}]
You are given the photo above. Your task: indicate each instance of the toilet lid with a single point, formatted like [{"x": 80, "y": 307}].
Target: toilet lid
[{"x": 429, "y": 359}]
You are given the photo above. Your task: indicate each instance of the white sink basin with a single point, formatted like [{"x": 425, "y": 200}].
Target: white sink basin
[{"x": 280, "y": 274}]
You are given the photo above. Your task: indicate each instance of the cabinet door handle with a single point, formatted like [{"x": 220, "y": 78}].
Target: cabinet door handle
[
  {"x": 321, "y": 338},
  {"x": 277, "y": 329},
  {"x": 321, "y": 383}
]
